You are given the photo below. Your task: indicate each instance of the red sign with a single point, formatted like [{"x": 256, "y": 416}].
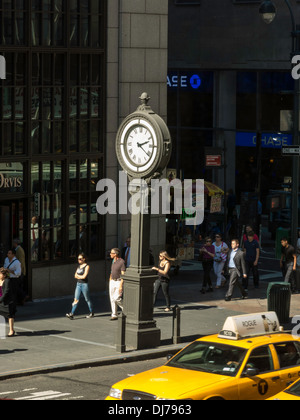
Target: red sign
[{"x": 213, "y": 160}]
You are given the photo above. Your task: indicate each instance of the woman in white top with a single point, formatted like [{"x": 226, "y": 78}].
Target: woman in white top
[{"x": 220, "y": 259}]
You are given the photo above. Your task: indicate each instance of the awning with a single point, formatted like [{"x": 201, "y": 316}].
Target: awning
[{"x": 210, "y": 189}]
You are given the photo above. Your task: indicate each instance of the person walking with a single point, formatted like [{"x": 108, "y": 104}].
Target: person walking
[
  {"x": 8, "y": 307},
  {"x": 221, "y": 251},
  {"x": 208, "y": 254},
  {"x": 81, "y": 275},
  {"x": 163, "y": 280},
  {"x": 288, "y": 253},
  {"x": 237, "y": 268},
  {"x": 116, "y": 283},
  {"x": 252, "y": 252},
  {"x": 249, "y": 229},
  {"x": 20, "y": 254},
  {"x": 13, "y": 265}
]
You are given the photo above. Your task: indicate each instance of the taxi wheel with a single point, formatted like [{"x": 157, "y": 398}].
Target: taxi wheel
[{"x": 216, "y": 399}]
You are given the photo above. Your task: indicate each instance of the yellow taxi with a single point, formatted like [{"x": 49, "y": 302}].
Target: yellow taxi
[
  {"x": 251, "y": 359},
  {"x": 292, "y": 393}
]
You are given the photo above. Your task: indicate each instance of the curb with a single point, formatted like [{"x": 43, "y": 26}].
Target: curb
[{"x": 137, "y": 356}]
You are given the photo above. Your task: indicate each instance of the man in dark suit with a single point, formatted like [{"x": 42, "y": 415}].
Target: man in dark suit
[{"x": 237, "y": 268}]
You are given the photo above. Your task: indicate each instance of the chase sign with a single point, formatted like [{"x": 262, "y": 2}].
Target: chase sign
[{"x": 184, "y": 81}]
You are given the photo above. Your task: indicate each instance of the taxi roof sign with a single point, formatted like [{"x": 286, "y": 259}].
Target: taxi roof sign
[{"x": 242, "y": 326}]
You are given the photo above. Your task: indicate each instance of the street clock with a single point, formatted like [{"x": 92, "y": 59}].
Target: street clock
[{"x": 143, "y": 143}]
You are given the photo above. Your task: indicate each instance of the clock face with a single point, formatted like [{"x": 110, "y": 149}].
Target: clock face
[{"x": 138, "y": 146}]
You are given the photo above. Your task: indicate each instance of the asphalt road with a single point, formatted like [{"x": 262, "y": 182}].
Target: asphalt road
[{"x": 84, "y": 384}]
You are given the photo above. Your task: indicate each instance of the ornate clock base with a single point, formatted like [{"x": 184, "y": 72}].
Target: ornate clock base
[{"x": 141, "y": 330}]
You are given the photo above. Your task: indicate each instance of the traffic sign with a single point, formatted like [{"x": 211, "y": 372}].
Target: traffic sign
[{"x": 290, "y": 151}]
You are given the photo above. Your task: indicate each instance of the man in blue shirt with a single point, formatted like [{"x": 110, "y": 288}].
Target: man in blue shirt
[{"x": 237, "y": 268}]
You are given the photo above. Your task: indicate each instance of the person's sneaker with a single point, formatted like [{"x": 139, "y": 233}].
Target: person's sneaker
[
  {"x": 70, "y": 316},
  {"x": 90, "y": 316}
]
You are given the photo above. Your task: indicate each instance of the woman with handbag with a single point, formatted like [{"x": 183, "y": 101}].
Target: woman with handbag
[
  {"x": 8, "y": 307},
  {"x": 221, "y": 249}
]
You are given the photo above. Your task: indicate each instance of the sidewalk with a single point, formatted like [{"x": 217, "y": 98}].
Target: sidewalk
[{"x": 47, "y": 341}]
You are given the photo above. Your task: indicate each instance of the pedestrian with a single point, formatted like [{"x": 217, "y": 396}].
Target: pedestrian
[
  {"x": 237, "y": 268},
  {"x": 288, "y": 254},
  {"x": 8, "y": 307},
  {"x": 247, "y": 230},
  {"x": 116, "y": 282},
  {"x": 82, "y": 287},
  {"x": 126, "y": 252},
  {"x": 163, "y": 281},
  {"x": 252, "y": 253},
  {"x": 221, "y": 251},
  {"x": 20, "y": 254},
  {"x": 298, "y": 263},
  {"x": 208, "y": 255},
  {"x": 13, "y": 265}
]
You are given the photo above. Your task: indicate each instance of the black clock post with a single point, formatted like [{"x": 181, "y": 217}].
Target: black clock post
[{"x": 141, "y": 331}]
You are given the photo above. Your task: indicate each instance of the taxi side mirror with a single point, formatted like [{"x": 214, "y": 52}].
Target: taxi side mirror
[{"x": 250, "y": 372}]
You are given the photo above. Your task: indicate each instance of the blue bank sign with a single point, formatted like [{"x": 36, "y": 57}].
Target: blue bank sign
[
  {"x": 270, "y": 140},
  {"x": 184, "y": 81}
]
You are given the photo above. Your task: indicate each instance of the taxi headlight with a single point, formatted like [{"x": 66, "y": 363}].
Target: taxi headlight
[{"x": 115, "y": 393}]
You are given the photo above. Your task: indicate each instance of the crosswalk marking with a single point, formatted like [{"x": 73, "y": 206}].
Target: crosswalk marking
[{"x": 38, "y": 396}]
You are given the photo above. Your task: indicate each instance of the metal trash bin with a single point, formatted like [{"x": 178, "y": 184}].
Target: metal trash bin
[{"x": 279, "y": 300}]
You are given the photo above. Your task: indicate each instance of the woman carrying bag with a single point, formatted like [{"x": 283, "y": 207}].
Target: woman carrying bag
[{"x": 8, "y": 307}]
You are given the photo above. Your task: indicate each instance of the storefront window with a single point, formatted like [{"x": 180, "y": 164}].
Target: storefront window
[
  {"x": 277, "y": 98},
  {"x": 246, "y": 101},
  {"x": 47, "y": 209},
  {"x": 270, "y": 93},
  {"x": 51, "y": 105},
  {"x": 194, "y": 93},
  {"x": 190, "y": 119}
]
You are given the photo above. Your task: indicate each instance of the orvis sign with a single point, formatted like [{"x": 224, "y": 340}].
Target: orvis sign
[{"x": 10, "y": 182}]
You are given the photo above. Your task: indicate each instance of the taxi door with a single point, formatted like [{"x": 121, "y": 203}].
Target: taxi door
[
  {"x": 288, "y": 354},
  {"x": 264, "y": 381}
]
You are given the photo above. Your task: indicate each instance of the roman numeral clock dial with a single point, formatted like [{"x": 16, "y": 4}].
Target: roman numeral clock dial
[{"x": 140, "y": 146}]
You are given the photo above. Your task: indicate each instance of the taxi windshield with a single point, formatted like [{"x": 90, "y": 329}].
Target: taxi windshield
[
  {"x": 294, "y": 390},
  {"x": 220, "y": 359}
]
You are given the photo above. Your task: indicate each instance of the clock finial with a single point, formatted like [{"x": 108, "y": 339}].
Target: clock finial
[{"x": 145, "y": 98}]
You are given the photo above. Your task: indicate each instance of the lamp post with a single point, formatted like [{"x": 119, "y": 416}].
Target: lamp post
[{"x": 268, "y": 11}]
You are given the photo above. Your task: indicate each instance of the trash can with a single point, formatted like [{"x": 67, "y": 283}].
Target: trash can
[
  {"x": 279, "y": 300},
  {"x": 281, "y": 233}
]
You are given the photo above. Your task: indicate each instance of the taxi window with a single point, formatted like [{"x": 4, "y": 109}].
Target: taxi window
[
  {"x": 220, "y": 359},
  {"x": 288, "y": 354},
  {"x": 261, "y": 359},
  {"x": 294, "y": 390}
]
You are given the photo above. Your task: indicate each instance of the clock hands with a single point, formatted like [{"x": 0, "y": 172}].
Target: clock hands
[{"x": 140, "y": 145}]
